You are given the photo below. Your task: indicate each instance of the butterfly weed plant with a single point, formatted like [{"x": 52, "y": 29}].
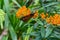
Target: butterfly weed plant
[{"x": 29, "y": 20}]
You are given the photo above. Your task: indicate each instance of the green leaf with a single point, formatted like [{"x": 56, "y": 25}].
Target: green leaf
[
  {"x": 42, "y": 31},
  {"x": 16, "y": 3},
  {"x": 6, "y": 6},
  {"x": 49, "y": 4},
  {"x": 2, "y": 14},
  {"x": 5, "y": 38},
  {"x": 12, "y": 32},
  {"x": 26, "y": 2},
  {"x": 35, "y": 25},
  {"x": 29, "y": 30},
  {"x": 39, "y": 22},
  {"x": 57, "y": 33},
  {"x": 57, "y": 36},
  {"x": 21, "y": 23},
  {"x": 36, "y": 2},
  {"x": 2, "y": 17},
  {"x": 49, "y": 30},
  {"x": 1, "y": 4}
]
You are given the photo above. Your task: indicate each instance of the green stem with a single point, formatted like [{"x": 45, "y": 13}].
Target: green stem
[
  {"x": 1, "y": 25},
  {"x": 29, "y": 30}
]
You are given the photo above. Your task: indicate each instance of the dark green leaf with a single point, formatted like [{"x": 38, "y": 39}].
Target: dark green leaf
[
  {"x": 49, "y": 30},
  {"x": 42, "y": 31}
]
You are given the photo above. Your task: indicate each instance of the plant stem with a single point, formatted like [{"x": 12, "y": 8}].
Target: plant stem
[{"x": 28, "y": 32}]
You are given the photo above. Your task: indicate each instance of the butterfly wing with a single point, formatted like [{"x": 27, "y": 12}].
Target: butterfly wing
[{"x": 26, "y": 18}]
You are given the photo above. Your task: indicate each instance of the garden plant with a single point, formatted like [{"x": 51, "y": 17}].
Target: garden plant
[{"x": 29, "y": 19}]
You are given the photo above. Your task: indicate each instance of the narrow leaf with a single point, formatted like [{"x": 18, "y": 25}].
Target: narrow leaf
[{"x": 12, "y": 32}]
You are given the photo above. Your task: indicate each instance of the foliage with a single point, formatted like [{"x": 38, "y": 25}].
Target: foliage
[{"x": 34, "y": 28}]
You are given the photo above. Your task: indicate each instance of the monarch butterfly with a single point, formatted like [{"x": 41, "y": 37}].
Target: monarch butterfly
[{"x": 26, "y": 18}]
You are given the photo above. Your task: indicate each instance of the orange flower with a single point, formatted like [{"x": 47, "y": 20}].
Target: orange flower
[
  {"x": 56, "y": 16},
  {"x": 36, "y": 14},
  {"x": 48, "y": 20},
  {"x": 23, "y": 11},
  {"x": 46, "y": 14},
  {"x": 54, "y": 22},
  {"x": 28, "y": 12},
  {"x": 58, "y": 22},
  {"x": 42, "y": 16},
  {"x": 51, "y": 17},
  {"x": 54, "y": 19},
  {"x": 17, "y": 15}
]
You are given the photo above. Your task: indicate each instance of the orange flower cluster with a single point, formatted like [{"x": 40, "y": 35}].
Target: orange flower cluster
[
  {"x": 43, "y": 16},
  {"x": 52, "y": 19},
  {"x": 23, "y": 11},
  {"x": 35, "y": 14}
]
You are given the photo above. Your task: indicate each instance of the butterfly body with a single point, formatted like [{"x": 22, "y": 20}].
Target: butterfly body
[{"x": 26, "y": 18}]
